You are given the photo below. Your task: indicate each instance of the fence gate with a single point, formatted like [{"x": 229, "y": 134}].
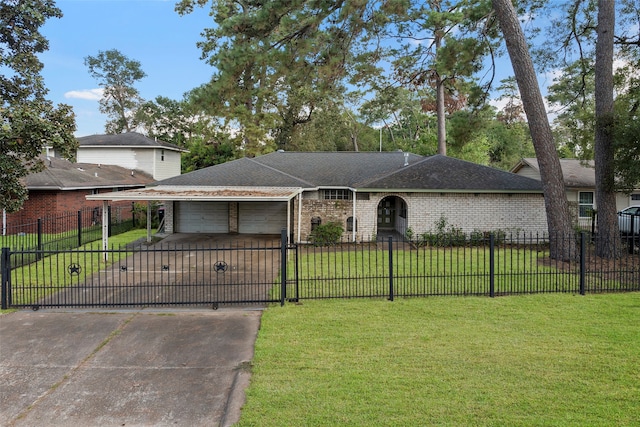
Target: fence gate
[{"x": 159, "y": 275}]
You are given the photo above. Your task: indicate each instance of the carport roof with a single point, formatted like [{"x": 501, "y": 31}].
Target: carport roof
[{"x": 203, "y": 193}]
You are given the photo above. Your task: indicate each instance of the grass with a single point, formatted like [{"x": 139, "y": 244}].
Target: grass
[
  {"x": 50, "y": 241},
  {"x": 534, "y": 360},
  {"x": 36, "y": 280},
  {"x": 361, "y": 272}
]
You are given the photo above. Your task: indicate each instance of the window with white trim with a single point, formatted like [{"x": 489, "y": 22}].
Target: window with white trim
[
  {"x": 337, "y": 194},
  {"x": 635, "y": 197},
  {"x": 585, "y": 204}
]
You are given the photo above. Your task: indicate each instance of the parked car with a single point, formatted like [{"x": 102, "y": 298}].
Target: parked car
[{"x": 625, "y": 217}]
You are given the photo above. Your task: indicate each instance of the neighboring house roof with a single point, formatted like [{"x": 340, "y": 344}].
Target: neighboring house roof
[
  {"x": 130, "y": 140},
  {"x": 61, "y": 174},
  {"x": 576, "y": 173},
  {"x": 358, "y": 170}
]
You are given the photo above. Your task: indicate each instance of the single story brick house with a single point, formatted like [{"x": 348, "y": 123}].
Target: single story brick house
[
  {"x": 62, "y": 188},
  {"x": 366, "y": 192}
]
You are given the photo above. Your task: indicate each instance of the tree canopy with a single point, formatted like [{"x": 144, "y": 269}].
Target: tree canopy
[
  {"x": 117, "y": 75},
  {"x": 29, "y": 121}
]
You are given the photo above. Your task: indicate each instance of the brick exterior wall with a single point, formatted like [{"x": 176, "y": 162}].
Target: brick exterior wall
[
  {"x": 327, "y": 210},
  {"x": 469, "y": 212},
  {"x": 169, "y": 209},
  {"x": 44, "y": 204},
  {"x": 234, "y": 217}
]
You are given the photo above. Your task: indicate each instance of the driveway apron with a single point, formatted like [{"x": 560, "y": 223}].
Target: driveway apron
[{"x": 125, "y": 368}]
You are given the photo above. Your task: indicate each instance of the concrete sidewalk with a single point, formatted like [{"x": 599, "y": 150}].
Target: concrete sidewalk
[{"x": 125, "y": 368}]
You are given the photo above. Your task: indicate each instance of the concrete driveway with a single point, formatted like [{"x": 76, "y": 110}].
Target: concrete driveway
[{"x": 125, "y": 368}]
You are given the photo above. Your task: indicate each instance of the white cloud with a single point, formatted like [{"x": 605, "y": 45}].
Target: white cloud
[{"x": 88, "y": 94}]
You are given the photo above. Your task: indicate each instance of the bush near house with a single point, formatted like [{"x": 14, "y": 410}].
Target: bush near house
[{"x": 326, "y": 234}]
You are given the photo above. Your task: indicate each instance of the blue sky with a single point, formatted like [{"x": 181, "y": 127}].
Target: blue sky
[{"x": 149, "y": 31}]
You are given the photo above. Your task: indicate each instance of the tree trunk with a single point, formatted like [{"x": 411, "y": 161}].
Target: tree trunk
[
  {"x": 562, "y": 243},
  {"x": 440, "y": 111},
  {"x": 604, "y": 151}
]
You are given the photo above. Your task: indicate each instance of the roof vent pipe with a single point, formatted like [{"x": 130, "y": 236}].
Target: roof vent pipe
[{"x": 406, "y": 159}]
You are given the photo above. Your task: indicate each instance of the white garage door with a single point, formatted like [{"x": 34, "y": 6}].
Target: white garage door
[
  {"x": 202, "y": 217},
  {"x": 262, "y": 217}
]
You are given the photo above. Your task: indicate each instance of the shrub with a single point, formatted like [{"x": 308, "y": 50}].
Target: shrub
[
  {"x": 445, "y": 234},
  {"x": 327, "y": 234}
]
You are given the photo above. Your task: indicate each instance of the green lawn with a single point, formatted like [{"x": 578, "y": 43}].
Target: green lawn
[
  {"x": 535, "y": 360},
  {"x": 363, "y": 271}
]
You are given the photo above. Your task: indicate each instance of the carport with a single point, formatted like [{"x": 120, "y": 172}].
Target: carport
[{"x": 214, "y": 209}]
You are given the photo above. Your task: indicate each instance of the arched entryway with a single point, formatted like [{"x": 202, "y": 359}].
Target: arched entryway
[{"x": 392, "y": 217}]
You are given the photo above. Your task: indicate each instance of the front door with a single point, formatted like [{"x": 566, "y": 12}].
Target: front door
[{"x": 387, "y": 214}]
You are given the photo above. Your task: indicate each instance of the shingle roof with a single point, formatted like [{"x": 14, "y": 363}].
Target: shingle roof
[
  {"x": 61, "y": 174},
  {"x": 447, "y": 173},
  {"x": 576, "y": 173},
  {"x": 360, "y": 170},
  {"x": 130, "y": 139},
  {"x": 244, "y": 172}
]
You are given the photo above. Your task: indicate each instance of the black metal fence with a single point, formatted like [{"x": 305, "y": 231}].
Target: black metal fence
[
  {"x": 158, "y": 275},
  {"x": 463, "y": 265},
  {"x": 483, "y": 265},
  {"x": 67, "y": 230}
]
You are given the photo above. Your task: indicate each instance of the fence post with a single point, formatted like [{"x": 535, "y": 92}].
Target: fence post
[
  {"x": 492, "y": 267},
  {"x": 79, "y": 228},
  {"x": 6, "y": 275},
  {"x": 283, "y": 266},
  {"x": 390, "y": 268},
  {"x": 39, "y": 239},
  {"x": 297, "y": 273},
  {"x": 582, "y": 263}
]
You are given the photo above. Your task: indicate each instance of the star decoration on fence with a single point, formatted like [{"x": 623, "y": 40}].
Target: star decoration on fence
[
  {"x": 74, "y": 269},
  {"x": 220, "y": 266}
]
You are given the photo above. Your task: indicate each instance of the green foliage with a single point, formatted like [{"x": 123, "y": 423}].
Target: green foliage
[
  {"x": 28, "y": 121},
  {"x": 447, "y": 235},
  {"x": 274, "y": 62},
  {"x": 327, "y": 234},
  {"x": 202, "y": 155},
  {"x": 140, "y": 214},
  {"x": 117, "y": 74},
  {"x": 627, "y": 126}
]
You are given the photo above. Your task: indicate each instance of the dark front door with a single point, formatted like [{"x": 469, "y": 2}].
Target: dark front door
[{"x": 387, "y": 214}]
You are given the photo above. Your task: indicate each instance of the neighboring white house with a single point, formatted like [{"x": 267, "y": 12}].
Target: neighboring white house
[
  {"x": 580, "y": 184},
  {"x": 132, "y": 151}
]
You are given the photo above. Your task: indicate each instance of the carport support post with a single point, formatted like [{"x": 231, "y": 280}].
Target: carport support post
[
  {"x": 283, "y": 266},
  {"x": 105, "y": 229}
]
